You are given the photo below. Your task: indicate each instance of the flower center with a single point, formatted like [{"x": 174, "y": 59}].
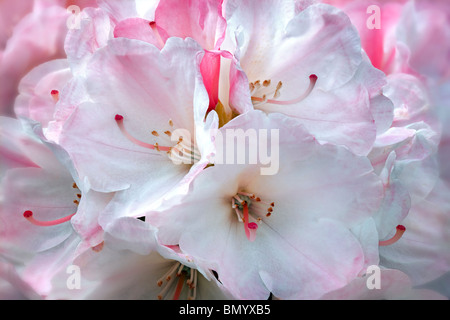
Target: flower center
[
  {"x": 176, "y": 279},
  {"x": 184, "y": 151},
  {"x": 266, "y": 84},
  {"x": 242, "y": 202},
  {"x": 28, "y": 214}
]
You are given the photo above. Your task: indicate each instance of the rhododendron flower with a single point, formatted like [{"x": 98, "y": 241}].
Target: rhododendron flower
[
  {"x": 131, "y": 265},
  {"x": 151, "y": 136},
  {"x": 317, "y": 194},
  {"x": 33, "y": 32},
  {"x": 45, "y": 207},
  {"x": 309, "y": 67}
]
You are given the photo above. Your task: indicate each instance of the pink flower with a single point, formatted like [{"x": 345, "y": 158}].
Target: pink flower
[
  {"x": 129, "y": 139},
  {"x": 131, "y": 265},
  {"x": 394, "y": 285},
  {"x": 307, "y": 65},
  {"x": 32, "y": 33},
  {"x": 46, "y": 211},
  {"x": 288, "y": 233}
]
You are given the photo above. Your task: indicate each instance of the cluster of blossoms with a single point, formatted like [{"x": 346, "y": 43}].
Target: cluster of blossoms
[{"x": 117, "y": 179}]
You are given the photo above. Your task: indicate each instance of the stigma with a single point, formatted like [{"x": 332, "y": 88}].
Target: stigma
[{"x": 251, "y": 210}]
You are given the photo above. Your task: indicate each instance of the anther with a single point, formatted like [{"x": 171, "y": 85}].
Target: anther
[
  {"x": 312, "y": 83},
  {"x": 119, "y": 121}
]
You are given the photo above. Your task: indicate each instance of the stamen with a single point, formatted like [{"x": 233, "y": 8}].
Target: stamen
[
  {"x": 152, "y": 25},
  {"x": 119, "y": 121},
  {"x": 312, "y": 83},
  {"x": 180, "y": 284},
  {"x": 193, "y": 286},
  {"x": 168, "y": 274},
  {"x": 55, "y": 95},
  {"x": 400, "y": 230},
  {"x": 250, "y": 195},
  {"x": 29, "y": 216},
  {"x": 168, "y": 285}
]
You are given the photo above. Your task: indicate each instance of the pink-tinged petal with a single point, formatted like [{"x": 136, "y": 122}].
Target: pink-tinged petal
[
  {"x": 119, "y": 10},
  {"x": 12, "y": 286},
  {"x": 12, "y": 146},
  {"x": 420, "y": 28},
  {"x": 411, "y": 100},
  {"x": 200, "y": 20},
  {"x": 210, "y": 69},
  {"x": 276, "y": 44},
  {"x": 85, "y": 222},
  {"x": 49, "y": 197},
  {"x": 139, "y": 29},
  {"x": 394, "y": 285},
  {"x": 11, "y": 12},
  {"x": 367, "y": 235},
  {"x": 307, "y": 235},
  {"x": 23, "y": 150},
  {"x": 31, "y": 34},
  {"x": 92, "y": 34},
  {"x": 393, "y": 210},
  {"x": 377, "y": 42},
  {"x": 40, "y": 89},
  {"x": 131, "y": 234},
  {"x": 235, "y": 87},
  {"x": 123, "y": 274},
  {"x": 423, "y": 251},
  {"x": 299, "y": 83},
  {"x": 161, "y": 91},
  {"x": 40, "y": 271}
]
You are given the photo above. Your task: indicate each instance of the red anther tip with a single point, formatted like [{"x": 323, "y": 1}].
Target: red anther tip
[
  {"x": 27, "y": 214},
  {"x": 54, "y": 92},
  {"x": 313, "y": 77},
  {"x": 118, "y": 117},
  {"x": 400, "y": 227},
  {"x": 151, "y": 23}
]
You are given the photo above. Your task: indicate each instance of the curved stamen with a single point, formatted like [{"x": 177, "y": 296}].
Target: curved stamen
[
  {"x": 29, "y": 216},
  {"x": 312, "y": 83},
  {"x": 193, "y": 286},
  {"x": 119, "y": 121},
  {"x": 400, "y": 230}
]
